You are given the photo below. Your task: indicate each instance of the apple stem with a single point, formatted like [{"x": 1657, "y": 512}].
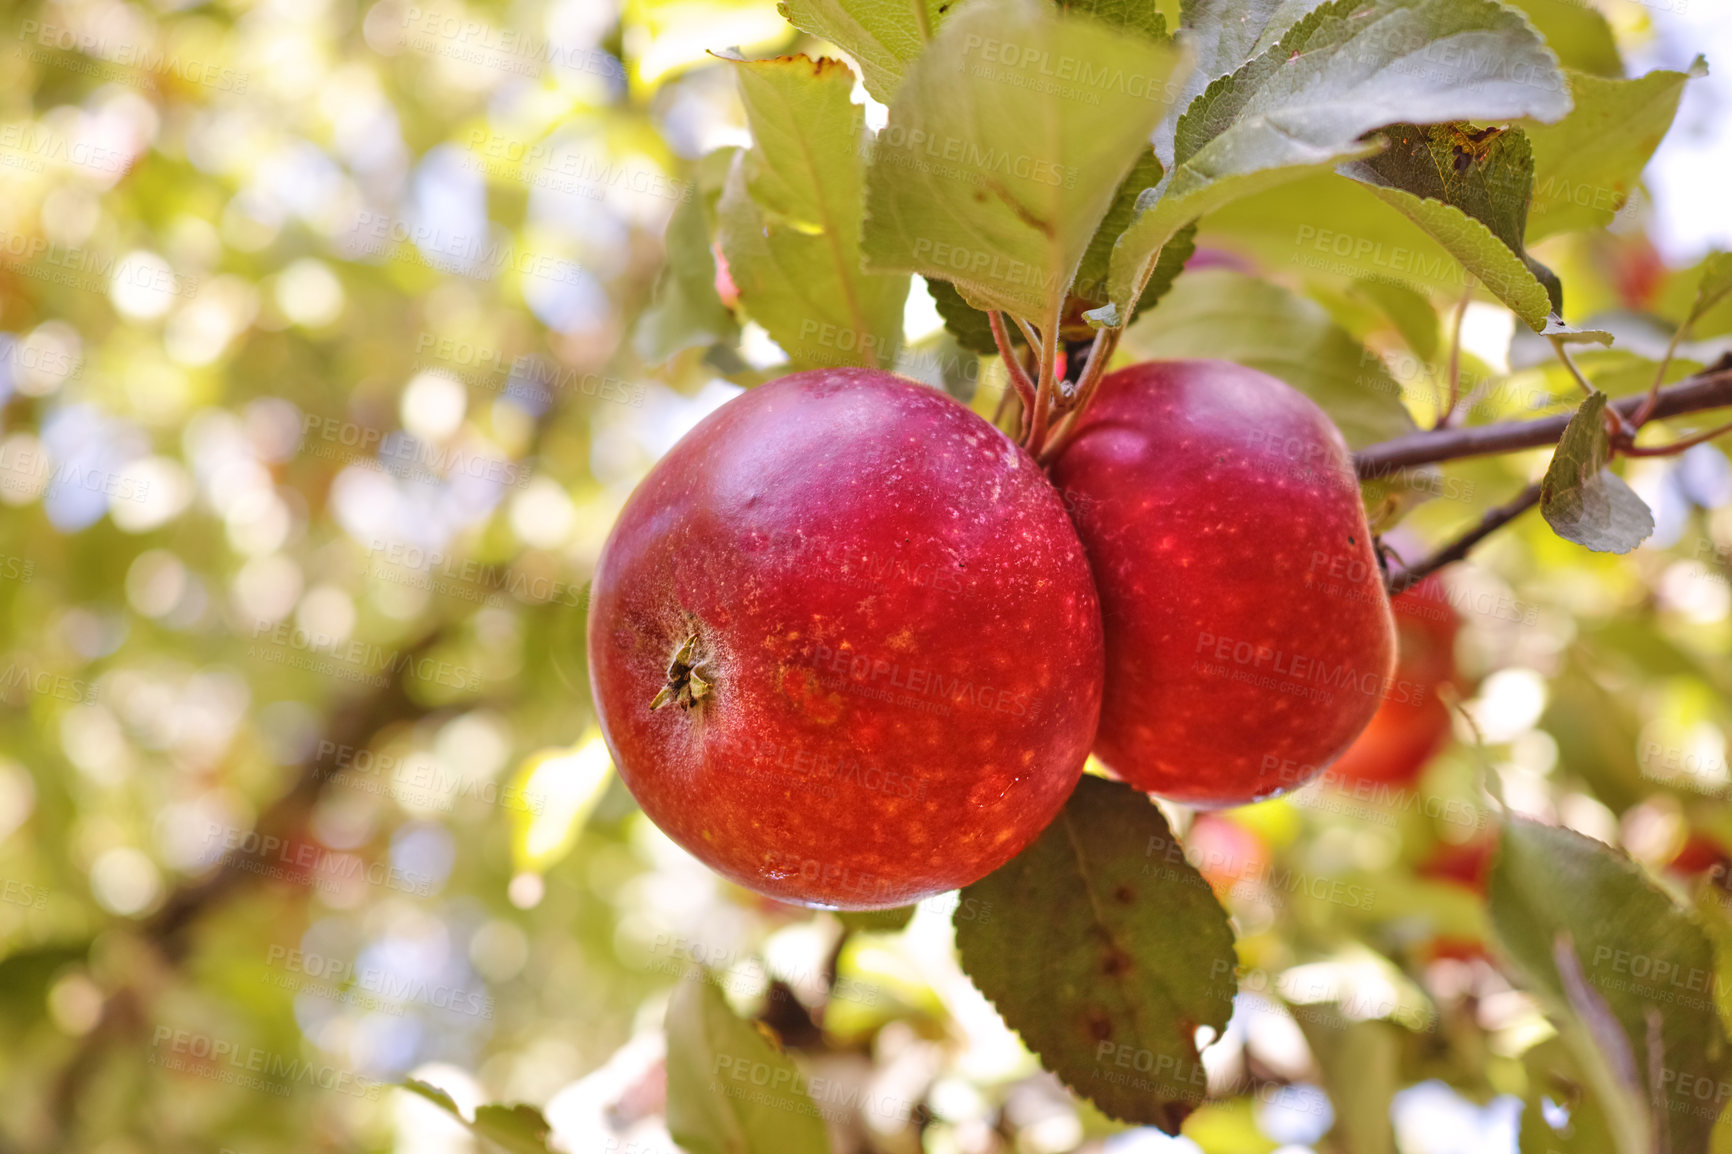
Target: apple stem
[
  {"x": 1012, "y": 364},
  {"x": 1106, "y": 343},
  {"x": 685, "y": 686},
  {"x": 1044, "y": 388}
]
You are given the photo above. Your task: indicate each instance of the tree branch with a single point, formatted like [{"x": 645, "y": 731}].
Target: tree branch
[
  {"x": 1494, "y": 520},
  {"x": 1707, "y": 390}
]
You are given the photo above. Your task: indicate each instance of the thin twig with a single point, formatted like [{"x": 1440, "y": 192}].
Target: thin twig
[
  {"x": 1563, "y": 352},
  {"x": 1494, "y": 520},
  {"x": 1676, "y": 446},
  {"x": 1707, "y": 390},
  {"x": 1641, "y": 415},
  {"x": 1448, "y": 413},
  {"x": 1616, "y": 424}
]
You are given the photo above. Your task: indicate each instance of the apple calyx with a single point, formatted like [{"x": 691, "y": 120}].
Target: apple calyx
[{"x": 685, "y": 686}]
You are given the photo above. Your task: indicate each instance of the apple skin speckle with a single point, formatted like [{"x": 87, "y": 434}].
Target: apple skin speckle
[
  {"x": 896, "y": 626},
  {"x": 1215, "y": 503}
]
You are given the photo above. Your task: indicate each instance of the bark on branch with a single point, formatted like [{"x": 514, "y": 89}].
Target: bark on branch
[{"x": 1707, "y": 390}]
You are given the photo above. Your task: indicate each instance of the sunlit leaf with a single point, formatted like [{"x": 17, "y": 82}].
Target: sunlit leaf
[
  {"x": 731, "y": 1089},
  {"x": 1587, "y": 164},
  {"x": 1004, "y": 149},
  {"x": 515, "y": 1129},
  {"x": 1304, "y": 105},
  {"x": 790, "y": 218},
  {"x": 1263, "y": 326}
]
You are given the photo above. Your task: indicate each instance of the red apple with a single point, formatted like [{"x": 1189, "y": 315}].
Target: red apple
[
  {"x": 1467, "y": 865},
  {"x": 1220, "y": 509},
  {"x": 1699, "y": 854},
  {"x": 1409, "y": 729},
  {"x": 844, "y": 643}
]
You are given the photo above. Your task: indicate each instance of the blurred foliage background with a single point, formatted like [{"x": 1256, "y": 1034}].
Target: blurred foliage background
[{"x": 325, "y": 366}]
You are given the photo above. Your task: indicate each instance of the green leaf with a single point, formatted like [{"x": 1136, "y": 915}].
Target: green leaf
[
  {"x": 1577, "y": 32},
  {"x": 1552, "y": 1072},
  {"x": 883, "y": 36},
  {"x": 1581, "y": 499},
  {"x": 1346, "y": 69},
  {"x": 1470, "y": 190},
  {"x": 1263, "y": 326},
  {"x": 1091, "y": 278},
  {"x": 517, "y": 1129},
  {"x": 1586, "y": 164},
  {"x": 1222, "y": 35},
  {"x": 970, "y": 326},
  {"x": 731, "y": 1090},
  {"x": 1408, "y": 310},
  {"x": 1142, "y": 17},
  {"x": 1628, "y": 976},
  {"x": 789, "y": 218},
  {"x": 1005, "y": 146},
  {"x": 1361, "y": 1064},
  {"x": 1105, "y": 952},
  {"x": 687, "y": 313},
  {"x": 1715, "y": 286}
]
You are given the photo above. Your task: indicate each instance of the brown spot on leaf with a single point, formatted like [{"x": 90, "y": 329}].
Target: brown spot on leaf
[
  {"x": 1116, "y": 963},
  {"x": 1124, "y": 895},
  {"x": 1100, "y": 1026}
]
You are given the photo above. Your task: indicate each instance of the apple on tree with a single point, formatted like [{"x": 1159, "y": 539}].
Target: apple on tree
[
  {"x": 844, "y": 642},
  {"x": 1205, "y": 494}
]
